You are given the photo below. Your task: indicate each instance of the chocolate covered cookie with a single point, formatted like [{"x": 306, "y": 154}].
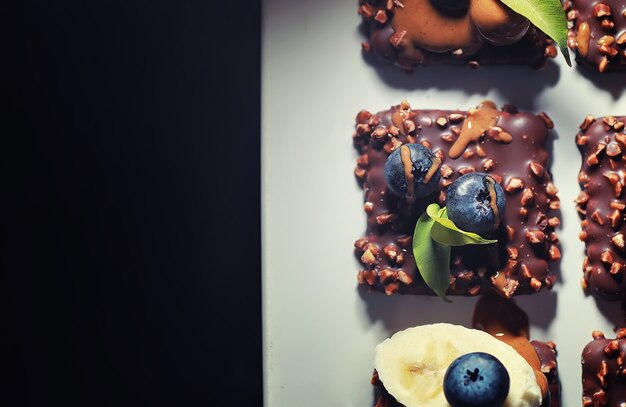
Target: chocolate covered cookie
[
  {"x": 509, "y": 148},
  {"x": 603, "y": 370},
  {"x": 412, "y": 33},
  {"x": 598, "y": 33},
  {"x": 601, "y": 205}
]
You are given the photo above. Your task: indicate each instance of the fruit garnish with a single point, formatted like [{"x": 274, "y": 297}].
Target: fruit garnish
[
  {"x": 476, "y": 379},
  {"x": 475, "y": 203},
  {"x": 412, "y": 364},
  {"x": 411, "y": 172},
  {"x": 444, "y": 231},
  {"x": 546, "y": 15},
  {"x": 433, "y": 237},
  {"x": 432, "y": 258}
]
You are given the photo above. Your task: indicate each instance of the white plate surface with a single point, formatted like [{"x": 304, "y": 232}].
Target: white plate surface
[{"x": 319, "y": 329}]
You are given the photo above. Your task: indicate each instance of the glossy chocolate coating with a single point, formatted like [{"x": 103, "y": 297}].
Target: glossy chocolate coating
[
  {"x": 592, "y": 20},
  {"x": 527, "y": 242},
  {"x": 601, "y": 205},
  {"x": 603, "y": 374},
  {"x": 531, "y": 49}
]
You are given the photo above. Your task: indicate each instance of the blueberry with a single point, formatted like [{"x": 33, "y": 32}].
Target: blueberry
[
  {"x": 475, "y": 203},
  {"x": 408, "y": 172},
  {"x": 476, "y": 380}
]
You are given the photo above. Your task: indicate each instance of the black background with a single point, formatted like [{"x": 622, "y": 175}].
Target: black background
[{"x": 130, "y": 234}]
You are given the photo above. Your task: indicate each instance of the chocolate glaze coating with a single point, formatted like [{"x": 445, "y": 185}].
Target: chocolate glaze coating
[
  {"x": 601, "y": 206},
  {"x": 603, "y": 371},
  {"x": 590, "y": 22},
  {"x": 546, "y": 352},
  {"x": 527, "y": 242},
  {"x": 532, "y": 49}
]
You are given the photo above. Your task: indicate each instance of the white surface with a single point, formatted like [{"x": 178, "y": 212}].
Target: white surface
[{"x": 319, "y": 329}]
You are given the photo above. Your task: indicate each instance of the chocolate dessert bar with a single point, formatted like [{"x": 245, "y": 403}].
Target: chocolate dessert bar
[
  {"x": 547, "y": 355},
  {"x": 502, "y": 319},
  {"x": 601, "y": 205},
  {"x": 506, "y": 144},
  {"x": 603, "y": 370},
  {"x": 598, "y": 33},
  {"x": 411, "y": 33}
]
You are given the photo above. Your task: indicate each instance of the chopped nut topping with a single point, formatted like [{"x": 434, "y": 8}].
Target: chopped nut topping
[
  {"x": 385, "y": 218},
  {"x": 392, "y": 288},
  {"x": 397, "y": 37},
  {"x": 615, "y": 217},
  {"x": 618, "y": 240},
  {"x": 535, "y": 236},
  {"x": 514, "y": 184},
  {"x": 381, "y": 16},
  {"x": 607, "y": 40},
  {"x": 554, "y": 253},
  {"x": 391, "y": 251},
  {"x": 380, "y": 132},
  {"x": 613, "y": 149},
  {"x": 607, "y": 24},
  {"x": 602, "y": 65},
  {"x": 536, "y": 168},
  {"x": 606, "y": 257},
  {"x": 616, "y": 268},
  {"x": 587, "y": 122},
  {"x": 456, "y": 117},
  {"x": 597, "y": 217},
  {"x": 601, "y": 10},
  {"x": 360, "y": 173},
  {"x": 446, "y": 171},
  {"x": 488, "y": 164},
  {"x": 528, "y": 196},
  {"x": 404, "y": 277},
  {"x": 386, "y": 275},
  {"x": 535, "y": 284}
]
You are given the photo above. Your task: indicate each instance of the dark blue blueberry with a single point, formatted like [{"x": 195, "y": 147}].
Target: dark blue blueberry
[
  {"x": 470, "y": 202},
  {"x": 421, "y": 161},
  {"x": 476, "y": 380}
]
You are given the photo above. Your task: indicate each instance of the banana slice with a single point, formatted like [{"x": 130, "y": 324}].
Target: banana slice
[{"x": 412, "y": 363}]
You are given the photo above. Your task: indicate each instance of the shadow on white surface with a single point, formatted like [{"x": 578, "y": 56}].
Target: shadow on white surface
[
  {"x": 397, "y": 312},
  {"x": 520, "y": 83},
  {"x": 612, "y": 82},
  {"x": 612, "y": 311}
]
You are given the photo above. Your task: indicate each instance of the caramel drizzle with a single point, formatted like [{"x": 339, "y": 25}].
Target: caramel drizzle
[
  {"x": 397, "y": 118},
  {"x": 430, "y": 29},
  {"x": 491, "y": 187},
  {"x": 432, "y": 170},
  {"x": 478, "y": 121},
  {"x": 502, "y": 319},
  {"x": 405, "y": 154},
  {"x": 582, "y": 38}
]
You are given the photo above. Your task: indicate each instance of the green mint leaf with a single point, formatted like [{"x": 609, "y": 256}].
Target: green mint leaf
[
  {"x": 432, "y": 258},
  {"x": 444, "y": 231},
  {"x": 546, "y": 15}
]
